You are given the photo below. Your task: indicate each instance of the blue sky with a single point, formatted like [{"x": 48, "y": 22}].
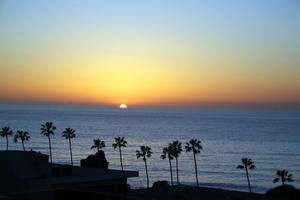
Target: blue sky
[{"x": 199, "y": 51}]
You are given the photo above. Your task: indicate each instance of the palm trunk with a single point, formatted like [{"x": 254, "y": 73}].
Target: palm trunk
[
  {"x": 248, "y": 179},
  {"x": 70, "y": 145},
  {"x": 98, "y": 148},
  {"x": 50, "y": 149},
  {"x": 23, "y": 145},
  {"x": 196, "y": 169},
  {"x": 177, "y": 170},
  {"x": 282, "y": 180},
  {"x": 121, "y": 158},
  {"x": 6, "y": 143},
  {"x": 147, "y": 173},
  {"x": 171, "y": 172}
]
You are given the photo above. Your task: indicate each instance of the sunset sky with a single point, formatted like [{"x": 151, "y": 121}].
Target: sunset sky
[{"x": 150, "y": 53}]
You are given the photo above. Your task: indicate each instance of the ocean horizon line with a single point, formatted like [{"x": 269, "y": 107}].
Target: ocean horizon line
[{"x": 211, "y": 106}]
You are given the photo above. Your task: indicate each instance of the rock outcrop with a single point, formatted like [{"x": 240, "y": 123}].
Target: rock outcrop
[{"x": 95, "y": 161}]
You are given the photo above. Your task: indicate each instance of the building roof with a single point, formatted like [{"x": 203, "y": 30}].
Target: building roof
[
  {"x": 81, "y": 175},
  {"x": 35, "y": 168}
]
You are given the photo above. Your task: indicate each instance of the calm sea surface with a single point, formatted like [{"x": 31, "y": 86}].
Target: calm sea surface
[{"x": 270, "y": 138}]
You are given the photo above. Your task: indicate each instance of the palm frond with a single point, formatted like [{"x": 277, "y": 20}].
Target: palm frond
[
  {"x": 22, "y": 135},
  {"x": 16, "y": 138},
  {"x": 193, "y": 145},
  {"x": 69, "y": 133},
  {"x": 6, "y": 131},
  {"x": 290, "y": 180},
  {"x": 119, "y": 142},
  {"x": 275, "y": 180},
  {"x": 252, "y": 167},
  {"x": 47, "y": 129},
  {"x": 284, "y": 176},
  {"x": 138, "y": 154},
  {"x": 240, "y": 167},
  {"x": 144, "y": 152},
  {"x": 176, "y": 148}
]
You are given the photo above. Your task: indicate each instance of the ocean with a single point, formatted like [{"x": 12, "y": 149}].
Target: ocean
[{"x": 270, "y": 138}]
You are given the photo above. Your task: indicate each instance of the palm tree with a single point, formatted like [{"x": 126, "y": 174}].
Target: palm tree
[
  {"x": 5, "y": 132},
  {"x": 247, "y": 163},
  {"x": 194, "y": 146},
  {"x": 144, "y": 153},
  {"x": 167, "y": 153},
  {"x": 284, "y": 176},
  {"x": 47, "y": 130},
  {"x": 120, "y": 142},
  {"x": 69, "y": 134},
  {"x": 176, "y": 151},
  {"x": 99, "y": 144},
  {"x": 23, "y": 136}
]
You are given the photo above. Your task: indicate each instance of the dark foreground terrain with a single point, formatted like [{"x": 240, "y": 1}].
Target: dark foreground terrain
[{"x": 187, "y": 192}]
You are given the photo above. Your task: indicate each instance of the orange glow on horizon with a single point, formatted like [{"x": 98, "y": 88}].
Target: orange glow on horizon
[{"x": 180, "y": 58}]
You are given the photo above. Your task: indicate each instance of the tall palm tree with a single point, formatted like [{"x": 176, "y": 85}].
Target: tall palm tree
[
  {"x": 5, "y": 132},
  {"x": 284, "y": 176},
  {"x": 47, "y": 130},
  {"x": 167, "y": 153},
  {"x": 176, "y": 151},
  {"x": 144, "y": 153},
  {"x": 120, "y": 142},
  {"x": 69, "y": 133},
  {"x": 99, "y": 144},
  {"x": 194, "y": 146},
  {"x": 247, "y": 164},
  {"x": 23, "y": 136}
]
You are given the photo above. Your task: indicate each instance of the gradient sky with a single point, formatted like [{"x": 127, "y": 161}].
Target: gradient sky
[{"x": 150, "y": 53}]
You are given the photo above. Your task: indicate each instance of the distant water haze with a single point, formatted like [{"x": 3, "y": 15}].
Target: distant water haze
[{"x": 270, "y": 138}]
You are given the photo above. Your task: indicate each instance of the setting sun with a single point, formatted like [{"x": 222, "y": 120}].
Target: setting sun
[
  {"x": 123, "y": 106},
  {"x": 166, "y": 60}
]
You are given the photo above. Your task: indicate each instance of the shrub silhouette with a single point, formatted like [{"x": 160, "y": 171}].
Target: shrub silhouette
[
  {"x": 95, "y": 161},
  {"x": 285, "y": 191},
  {"x": 159, "y": 184}
]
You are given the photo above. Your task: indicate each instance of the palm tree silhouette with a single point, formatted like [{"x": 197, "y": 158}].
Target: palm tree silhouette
[
  {"x": 23, "y": 136},
  {"x": 99, "y": 144},
  {"x": 144, "y": 153},
  {"x": 284, "y": 176},
  {"x": 176, "y": 151},
  {"x": 247, "y": 163},
  {"x": 69, "y": 133},
  {"x": 194, "y": 146},
  {"x": 5, "y": 132},
  {"x": 120, "y": 142},
  {"x": 167, "y": 153},
  {"x": 47, "y": 130}
]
